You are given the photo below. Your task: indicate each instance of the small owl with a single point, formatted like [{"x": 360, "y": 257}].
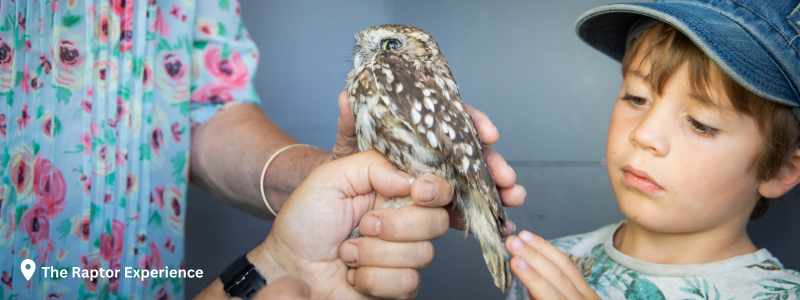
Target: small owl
[{"x": 407, "y": 106}]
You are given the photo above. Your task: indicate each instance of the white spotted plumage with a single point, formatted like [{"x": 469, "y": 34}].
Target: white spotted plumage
[{"x": 407, "y": 106}]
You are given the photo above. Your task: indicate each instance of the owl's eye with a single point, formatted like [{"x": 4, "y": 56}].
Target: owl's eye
[{"x": 391, "y": 44}]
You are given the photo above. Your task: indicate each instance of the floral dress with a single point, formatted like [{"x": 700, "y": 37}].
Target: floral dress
[{"x": 97, "y": 102}]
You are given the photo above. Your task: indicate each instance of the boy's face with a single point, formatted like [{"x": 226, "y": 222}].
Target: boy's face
[{"x": 678, "y": 165}]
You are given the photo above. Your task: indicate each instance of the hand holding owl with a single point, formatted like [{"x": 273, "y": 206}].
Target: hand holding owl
[{"x": 335, "y": 198}]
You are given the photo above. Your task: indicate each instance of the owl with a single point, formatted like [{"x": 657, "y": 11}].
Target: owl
[{"x": 406, "y": 106}]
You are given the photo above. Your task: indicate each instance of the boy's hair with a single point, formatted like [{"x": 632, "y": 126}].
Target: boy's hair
[{"x": 668, "y": 49}]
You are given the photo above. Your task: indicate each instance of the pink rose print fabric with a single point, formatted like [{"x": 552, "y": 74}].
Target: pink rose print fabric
[{"x": 97, "y": 103}]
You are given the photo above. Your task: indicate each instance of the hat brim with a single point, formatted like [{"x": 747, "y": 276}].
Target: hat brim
[{"x": 605, "y": 28}]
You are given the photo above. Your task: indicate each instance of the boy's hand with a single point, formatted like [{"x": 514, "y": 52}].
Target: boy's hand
[{"x": 545, "y": 271}]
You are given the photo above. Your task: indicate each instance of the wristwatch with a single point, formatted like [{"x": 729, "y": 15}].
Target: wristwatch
[{"x": 241, "y": 279}]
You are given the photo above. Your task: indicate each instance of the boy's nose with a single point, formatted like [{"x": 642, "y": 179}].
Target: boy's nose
[{"x": 650, "y": 134}]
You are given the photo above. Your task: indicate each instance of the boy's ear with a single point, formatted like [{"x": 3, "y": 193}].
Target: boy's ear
[{"x": 786, "y": 179}]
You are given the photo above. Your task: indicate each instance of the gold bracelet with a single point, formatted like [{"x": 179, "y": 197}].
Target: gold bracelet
[{"x": 264, "y": 173}]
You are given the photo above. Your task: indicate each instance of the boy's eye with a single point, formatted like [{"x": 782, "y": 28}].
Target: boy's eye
[
  {"x": 702, "y": 129},
  {"x": 635, "y": 100}
]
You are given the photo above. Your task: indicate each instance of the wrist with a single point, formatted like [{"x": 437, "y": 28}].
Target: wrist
[
  {"x": 292, "y": 165},
  {"x": 324, "y": 157},
  {"x": 317, "y": 157},
  {"x": 265, "y": 263},
  {"x": 285, "y": 169},
  {"x": 247, "y": 275},
  {"x": 272, "y": 262}
]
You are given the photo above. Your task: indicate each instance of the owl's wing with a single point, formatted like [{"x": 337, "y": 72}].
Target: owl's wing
[
  {"x": 427, "y": 99},
  {"x": 430, "y": 105},
  {"x": 413, "y": 114}
]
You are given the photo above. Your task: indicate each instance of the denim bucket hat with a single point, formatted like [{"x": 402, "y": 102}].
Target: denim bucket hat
[{"x": 756, "y": 42}]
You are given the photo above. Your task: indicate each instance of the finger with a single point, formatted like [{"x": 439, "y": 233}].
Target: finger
[
  {"x": 365, "y": 177},
  {"x": 545, "y": 268},
  {"x": 285, "y": 288},
  {"x": 510, "y": 228},
  {"x": 393, "y": 283},
  {"x": 373, "y": 252},
  {"x": 457, "y": 220},
  {"x": 554, "y": 255},
  {"x": 387, "y": 180},
  {"x": 487, "y": 132},
  {"x": 368, "y": 172},
  {"x": 431, "y": 191},
  {"x": 345, "y": 130},
  {"x": 538, "y": 287},
  {"x": 346, "y": 116},
  {"x": 407, "y": 224},
  {"x": 514, "y": 196},
  {"x": 503, "y": 175}
]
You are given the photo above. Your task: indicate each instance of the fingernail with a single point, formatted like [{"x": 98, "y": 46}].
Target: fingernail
[
  {"x": 372, "y": 225},
  {"x": 526, "y": 236},
  {"x": 427, "y": 188},
  {"x": 516, "y": 244},
  {"x": 349, "y": 254},
  {"x": 521, "y": 264},
  {"x": 511, "y": 227},
  {"x": 402, "y": 174}
]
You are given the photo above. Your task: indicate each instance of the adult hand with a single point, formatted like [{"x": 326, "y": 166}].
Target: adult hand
[
  {"x": 286, "y": 288},
  {"x": 512, "y": 194},
  {"x": 321, "y": 213}
]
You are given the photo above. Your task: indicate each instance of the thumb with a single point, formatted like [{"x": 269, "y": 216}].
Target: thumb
[
  {"x": 345, "y": 115},
  {"x": 345, "y": 129},
  {"x": 285, "y": 288},
  {"x": 365, "y": 176},
  {"x": 367, "y": 172}
]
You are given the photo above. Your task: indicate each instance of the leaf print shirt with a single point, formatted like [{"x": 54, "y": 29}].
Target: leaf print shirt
[
  {"x": 97, "y": 102},
  {"x": 614, "y": 275}
]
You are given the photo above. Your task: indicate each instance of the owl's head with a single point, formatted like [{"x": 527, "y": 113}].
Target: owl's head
[{"x": 402, "y": 40}]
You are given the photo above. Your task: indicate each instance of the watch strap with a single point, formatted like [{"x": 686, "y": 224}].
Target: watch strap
[{"x": 241, "y": 279}]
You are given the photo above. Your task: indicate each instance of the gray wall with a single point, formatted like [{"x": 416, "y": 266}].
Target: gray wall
[{"x": 518, "y": 61}]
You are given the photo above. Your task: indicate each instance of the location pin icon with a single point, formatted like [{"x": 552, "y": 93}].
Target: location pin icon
[{"x": 28, "y": 267}]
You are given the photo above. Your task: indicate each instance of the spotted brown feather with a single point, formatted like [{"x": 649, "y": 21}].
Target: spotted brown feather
[{"x": 407, "y": 106}]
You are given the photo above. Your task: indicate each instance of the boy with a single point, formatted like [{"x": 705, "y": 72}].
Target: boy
[{"x": 706, "y": 129}]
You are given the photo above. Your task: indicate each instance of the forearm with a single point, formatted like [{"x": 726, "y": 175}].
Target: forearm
[{"x": 229, "y": 151}]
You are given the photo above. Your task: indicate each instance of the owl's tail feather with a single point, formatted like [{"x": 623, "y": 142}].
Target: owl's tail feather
[{"x": 484, "y": 218}]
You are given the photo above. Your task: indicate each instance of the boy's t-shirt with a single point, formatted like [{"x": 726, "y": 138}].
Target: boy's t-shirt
[{"x": 614, "y": 275}]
